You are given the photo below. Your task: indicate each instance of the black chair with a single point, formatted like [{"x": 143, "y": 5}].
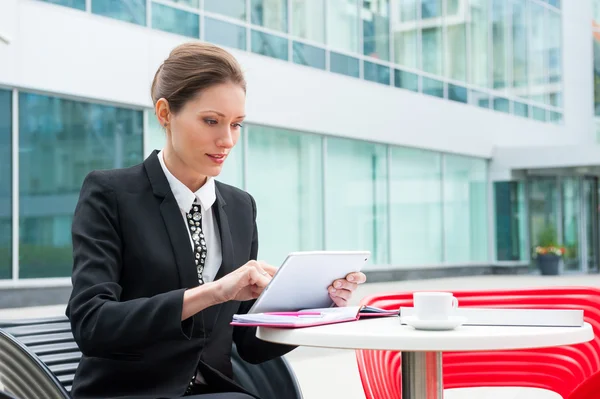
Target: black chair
[{"x": 38, "y": 359}]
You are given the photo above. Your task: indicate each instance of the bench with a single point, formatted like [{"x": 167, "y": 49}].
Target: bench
[{"x": 38, "y": 359}]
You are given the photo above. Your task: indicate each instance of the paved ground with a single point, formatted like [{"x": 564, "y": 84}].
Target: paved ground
[{"x": 324, "y": 373}]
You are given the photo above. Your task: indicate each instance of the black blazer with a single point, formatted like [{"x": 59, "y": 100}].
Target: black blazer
[{"x": 132, "y": 263}]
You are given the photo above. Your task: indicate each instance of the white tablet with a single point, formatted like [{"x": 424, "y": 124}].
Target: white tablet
[{"x": 301, "y": 281}]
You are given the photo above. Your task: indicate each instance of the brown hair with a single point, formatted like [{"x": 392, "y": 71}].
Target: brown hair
[{"x": 191, "y": 68}]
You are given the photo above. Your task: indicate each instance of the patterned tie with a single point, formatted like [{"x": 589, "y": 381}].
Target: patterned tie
[{"x": 194, "y": 218}]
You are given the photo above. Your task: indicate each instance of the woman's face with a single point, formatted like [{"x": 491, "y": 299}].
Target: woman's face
[{"x": 205, "y": 130}]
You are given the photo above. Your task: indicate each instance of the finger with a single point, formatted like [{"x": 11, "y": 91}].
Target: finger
[
  {"x": 344, "y": 285},
  {"x": 268, "y": 268},
  {"x": 258, "y": 277},
  {"x": 339, "y": 302},
  {"x": 341, "y": 293},
  {"x": 356, "y": 277}
]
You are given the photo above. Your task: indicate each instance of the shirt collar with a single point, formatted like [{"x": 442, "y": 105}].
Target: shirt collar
[{"x": 205, "y": 195}]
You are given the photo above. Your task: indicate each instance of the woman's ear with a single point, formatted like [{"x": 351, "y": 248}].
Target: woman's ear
[{"x": 163, "y": 114}]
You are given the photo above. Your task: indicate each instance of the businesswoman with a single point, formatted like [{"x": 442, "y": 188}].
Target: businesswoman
[{"x": 164, "y": 254}]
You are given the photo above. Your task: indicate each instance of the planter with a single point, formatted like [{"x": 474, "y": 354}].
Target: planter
[{"x": 548, "y": 264}]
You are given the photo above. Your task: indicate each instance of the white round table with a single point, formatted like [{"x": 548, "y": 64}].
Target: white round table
[{"x": 422, "y": 350}]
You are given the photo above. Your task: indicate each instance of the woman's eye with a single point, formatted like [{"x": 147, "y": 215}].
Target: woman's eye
[
  {"x": 211, "y": 121},
  {"x": 237, "y": 125}
]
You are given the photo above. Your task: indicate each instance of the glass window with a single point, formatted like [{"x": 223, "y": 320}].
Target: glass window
[
  {"x": 479, "y": 35},
  {"x": 377, "y": 73},
  {"x": 554, "y": 57},
  {"x": 340, "y": 63},
  {"x": 342, "y": 25},
  {"x": 78, "y": 4},
  {"x": 230, "y": 8},
  {"x": 406, "y": 36},
  {"x": 543, "y": 209},
  {"x": 406, "y": 80},
  {"x": 431, "y": 9},
  {"x": 520, "y": 109},
  {"x": 224, "y": 33},
  {"x": 511, "y": 221},
  {"x": 456, "y": 51},
  {"x": 155, "y": 137},
  {"x": 133, "y": 11},
  {"x": 536, "y": 46},
  {"x": 500, "y": 43},
  {"x": 555, "y": 117},
  {"x": 356, "y": 198},
  {"x": 305, "y": 54},
  {"x": 376, "y": 28},
  {"x": 465, "y": 209},
  {"x": 5, "y": 184},
  {"x": 289, "y": 218},
  {"x": 519, "y": 48},
  {"x": 75, "y": 138},
  {"x": 271, "y": 14},
  {"x": 308, "y": 19},
  {"x": 415, "y": 206},
  {"x": 596, "y": 66},
  {"x": 431, "y": 51},
  {"x": 501, "y": 104},
  {"x": 269, "y": 45},
  {"x": 539, "y": 114},
  {"x": 478, "y": 98},
  {"x": 433, "y": 87},
  {"x": 188, "y": 3},
  {"x": 177, "y": 21},
  {"x": 457, "y": 93}
]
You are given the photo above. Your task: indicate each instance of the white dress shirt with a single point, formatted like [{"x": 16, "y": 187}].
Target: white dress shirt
[{"x": 206, "y": 196}]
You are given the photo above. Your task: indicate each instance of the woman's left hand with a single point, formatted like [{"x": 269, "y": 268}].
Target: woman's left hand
[{"x": 341, "y": 290}]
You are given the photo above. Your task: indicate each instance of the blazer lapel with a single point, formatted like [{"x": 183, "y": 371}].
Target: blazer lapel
[
  {"x": 225, "y": 233},
  {"x": 176, "y": 228}
]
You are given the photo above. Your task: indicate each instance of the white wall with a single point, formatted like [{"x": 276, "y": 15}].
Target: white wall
[{"x": 66, "y": 51}]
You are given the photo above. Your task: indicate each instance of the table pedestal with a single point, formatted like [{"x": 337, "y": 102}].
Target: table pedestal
[{"x": 422, "y": 375}]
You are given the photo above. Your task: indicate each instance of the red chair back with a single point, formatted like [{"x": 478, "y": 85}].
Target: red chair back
[{"x": 558, "y": 369}]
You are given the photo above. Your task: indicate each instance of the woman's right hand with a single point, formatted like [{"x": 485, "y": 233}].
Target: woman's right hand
[{"x": 246, "y": 282}]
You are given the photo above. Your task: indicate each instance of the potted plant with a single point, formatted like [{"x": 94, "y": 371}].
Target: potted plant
[{"x": 547, "y": 252}]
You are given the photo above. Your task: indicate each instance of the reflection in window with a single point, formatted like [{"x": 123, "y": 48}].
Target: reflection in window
[
  {"x": 431, "y": 51},
  {"x": 500, "y": 43},
  {"x": 479, "y": 63},
  {"x": 340, "y": 63},
  {"x": 456, "y": 52},
  {"x": 376, "y": 28},
  {"x": 177, "y": 21},
  {"x": 415, "y": 206},
  {"x": 270, "y": 14},
  {"x": 230, "y": 8},
  {"x": 539, "y": 114},
  {"x": 406, "y": 40},
  {"x": 431, "y": 9},
  {"x": 520, "y": 109},
  {"x": 308, "y": 19},
  {"x": 478, "y": 98},
  {"x": 519, "y": 48},
  {"x": 5, "y": 184},
  {"x": 292, "y": 162},
  {"x": 536, "y": 46},
  {"x": 133, "y": 11},
  {"x": 406, "y": 80},
  {"x": 554, "y": 58},
  {"x": 377, "y": 73},
  {"x": 465, "y": 209},
  {"x": 356, "y": 198},
  {"x": 433, "y": 87},
  {"x": 224, "y": 33},
  {"x": 305, "y": 54},
  {"x": 342, "y": 25},
  {"x": 457, "y": 93},
  {"x": 511, "y": 221},
  {"x": 269, "y": 45},
  {"x": 75, "y": 138},
  {"x": 78, "y": 4},
  {"x": 596, "y": 35},
  {"x": 188, "y": 3},
  {"x": 501, "y": 104}
]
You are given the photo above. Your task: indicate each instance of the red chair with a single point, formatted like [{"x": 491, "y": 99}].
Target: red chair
[
  {"x": 589, "y": 389},
  {"x": 559, "y": 369}
]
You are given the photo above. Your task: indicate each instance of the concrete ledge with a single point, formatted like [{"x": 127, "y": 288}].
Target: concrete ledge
[
  {"x": 379, "y": 276},
  {"x": 25, "y": 297}
]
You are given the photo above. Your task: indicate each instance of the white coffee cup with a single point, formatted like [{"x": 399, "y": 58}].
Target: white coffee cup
[{"x": 434, "y": 305}]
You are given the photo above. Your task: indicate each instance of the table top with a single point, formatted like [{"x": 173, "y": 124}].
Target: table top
[{"x": 388, "y": 333}]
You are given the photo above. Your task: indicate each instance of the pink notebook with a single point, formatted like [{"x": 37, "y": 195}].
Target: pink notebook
[{"x": 309, "y": 317}]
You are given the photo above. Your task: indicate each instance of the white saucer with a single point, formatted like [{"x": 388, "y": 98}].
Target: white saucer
[{"x": 434, "y": 325}]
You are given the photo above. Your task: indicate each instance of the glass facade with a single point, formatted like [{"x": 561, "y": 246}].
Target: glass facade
[
  {"x": 75, "y": 138},
  {"x": 5, "y": 184},
  {"x": 508, "y": 50},
  {"x": 511, "y": 221}
]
